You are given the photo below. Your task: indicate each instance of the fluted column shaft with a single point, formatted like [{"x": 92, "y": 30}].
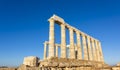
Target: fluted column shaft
[
  {"x": 72, "y": 48},
  {"x": 63, "y": 41},
  {"x": 101, "y": 54},
  {"x": 56, "y": 50},
  {"x": 45, "y": 52},
  {"x": 85, "y": 47},
  {"x": 51, "y": 38},
  {"x": 79, "y": 56},
  {"x": 89, "y": 48},
  {"x": 94, "y": 51},
  {"x": 97, "y": 51}
]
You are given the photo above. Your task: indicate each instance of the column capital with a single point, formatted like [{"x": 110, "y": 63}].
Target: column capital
[
  {"x": 77, "y": 32},
  {"x": 88, "y": 37},
  {"x": 83, "y": 34},
  {"x": 92, "y": 40},
  {"x": 51, "y": 19},
  {"x": 70, "y": 28},
  {"x": 57, "y": 19},
  {"x": 62, "y": 25},
  {"x": 96, "y": 41}
]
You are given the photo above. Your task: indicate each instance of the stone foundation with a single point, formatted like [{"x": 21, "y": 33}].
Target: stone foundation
[
  {"x": 70, "y": 63},
  {"x": 67, "y": 64}
]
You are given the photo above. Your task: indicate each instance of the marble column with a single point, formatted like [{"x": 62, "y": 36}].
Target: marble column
[
  {"x": 51, "y": 38},
  {"x": 97, "y": 51},
  {"x": 72, "y": 48},
  {"x": 89, "y": 48},
  {"x": 45, "y": 52},
  {"x": 79, "y": 56},
  {"x": 101, "y": 54},
  {"x": 85, "y": 47},
  {"x": 56, "y": 50},
  {"x": 93, "y": 49},
  {"x": 63, "y": 41}
]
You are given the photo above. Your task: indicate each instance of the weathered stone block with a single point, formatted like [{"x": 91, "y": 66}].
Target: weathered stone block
[{"x": 31, "y": 61}]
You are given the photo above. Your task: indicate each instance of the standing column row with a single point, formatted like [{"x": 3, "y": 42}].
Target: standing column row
[{"x": 91, "y": 48}]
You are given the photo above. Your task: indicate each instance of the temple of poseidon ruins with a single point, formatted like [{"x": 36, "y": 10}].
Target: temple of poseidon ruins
[{"x": 85, "y": 54}]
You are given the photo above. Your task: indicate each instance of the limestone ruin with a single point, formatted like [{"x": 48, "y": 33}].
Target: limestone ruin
[
  {"x": 91, "y": 46},
  {"x": 90, "y": 59},
  {"x": 31, "y": 61}
]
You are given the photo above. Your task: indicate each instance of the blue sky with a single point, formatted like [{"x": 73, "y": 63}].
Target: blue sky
[{"x": 24, "y": 26}]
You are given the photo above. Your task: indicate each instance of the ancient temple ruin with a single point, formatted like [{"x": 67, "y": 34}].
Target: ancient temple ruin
[
  {"x": 85, "y": 54},
  {"x": 92, "y": 50}
]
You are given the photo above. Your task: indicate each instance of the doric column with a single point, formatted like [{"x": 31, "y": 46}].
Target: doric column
[
  {"x": 56, "y": 50},
  {"x": 63, "y": 41},
  {"x": 85, "y": 47},
  {"x": 79, "y": 56},
  {"x": 93, "y": 49},
  {"x": 51, "y": 38},
  {"x": 101, "y": 54},
  {"x": 97, "y": 51},
  {"x": 45, "y": 52},
  {"x": 72, "y": 48},
  {"x": 89, "y": 48}
]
